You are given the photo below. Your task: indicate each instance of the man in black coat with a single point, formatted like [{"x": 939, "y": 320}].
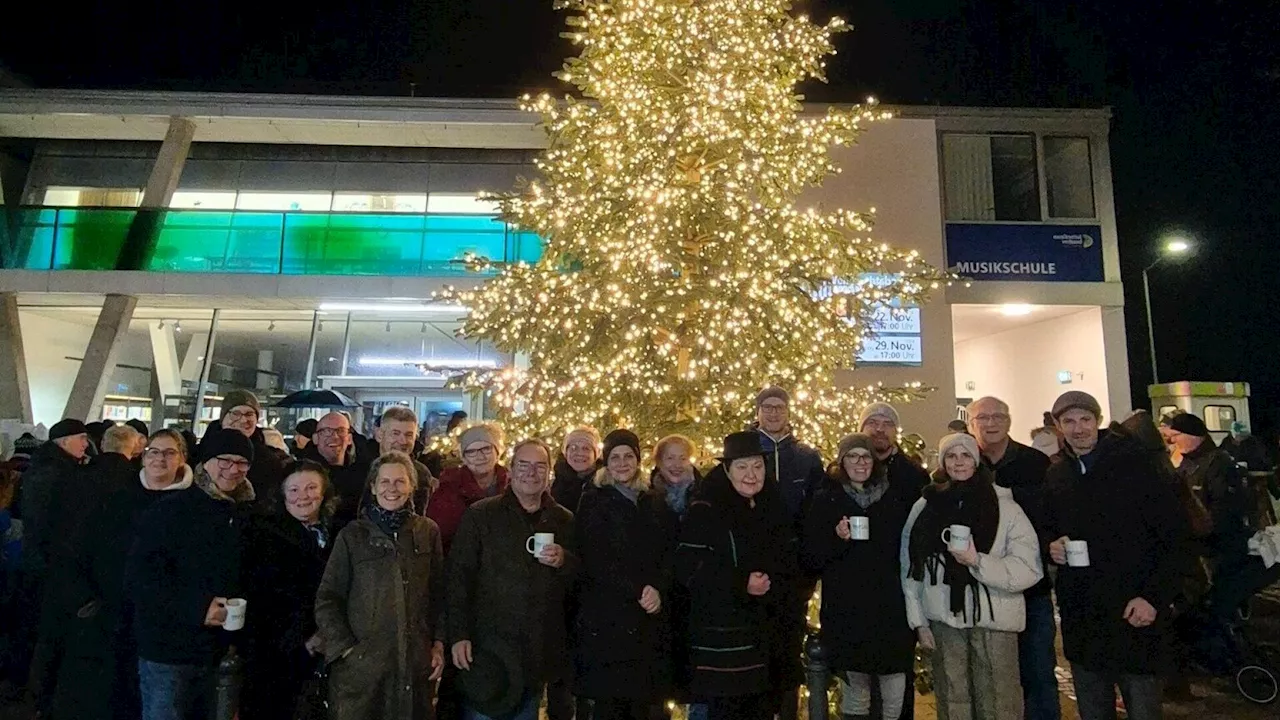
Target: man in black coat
[
  {"x": 880, "y": 422},
  {"x": 797, "y": 471},
  {"x": 1106, "y": 490},
  {"x": 1212, "y": 475},
  {"x": 54, "y": 464},
  {"x": 333, "y": 446},
  {"x": 183, "y": 569},
  {"x": 1022, "y": 469},
  {"x": 240, "y": 412}
]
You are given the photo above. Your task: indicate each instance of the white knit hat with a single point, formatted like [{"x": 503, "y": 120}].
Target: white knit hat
[
  {"x": 963, "y": 440},
  {"x": 883, "y": 410}
]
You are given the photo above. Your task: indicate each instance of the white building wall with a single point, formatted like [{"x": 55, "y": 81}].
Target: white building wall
[
  {"x": 1021, "y": 366},
  {"x": 894, "y": 168}
]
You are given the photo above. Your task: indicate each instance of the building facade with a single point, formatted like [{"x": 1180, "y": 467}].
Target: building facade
[{"x": 157, "y": 243}]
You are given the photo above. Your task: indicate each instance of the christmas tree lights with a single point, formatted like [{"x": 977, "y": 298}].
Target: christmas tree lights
[{"x": 679, "y": 276}]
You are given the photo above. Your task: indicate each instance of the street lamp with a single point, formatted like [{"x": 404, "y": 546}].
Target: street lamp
[{"x": 1174, "y": 247}]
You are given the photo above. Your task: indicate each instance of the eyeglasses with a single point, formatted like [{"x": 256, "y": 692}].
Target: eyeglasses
[
  {"x": 859, "y": 458},
  {"x": 580, "y": 448},
  {"x": 228, "y": 463},
  {"x": 772, "y": 408},
  {"x": 477, "y": 453},
  {"x": 525, "y": 467},
  {"x": 243, "y": 414},
  {"x": 992, "y": 418},
  {"x": 166, "y": 453},
  {"x": 335, "y": 432}
]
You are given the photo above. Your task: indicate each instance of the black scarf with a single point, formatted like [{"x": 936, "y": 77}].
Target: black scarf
[
  {"x": 972, "y": 503},
  {"x": 389, "y": 521}
]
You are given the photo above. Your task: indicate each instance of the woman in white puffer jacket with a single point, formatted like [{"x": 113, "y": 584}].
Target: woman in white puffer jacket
[{"x": 966, "y": 603}]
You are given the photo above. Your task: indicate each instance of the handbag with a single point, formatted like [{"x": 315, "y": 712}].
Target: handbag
[{"x": 313, "y": 701}]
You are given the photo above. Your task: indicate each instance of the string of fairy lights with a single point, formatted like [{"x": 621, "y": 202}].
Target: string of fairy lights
[{"x": 678, "y": 275}]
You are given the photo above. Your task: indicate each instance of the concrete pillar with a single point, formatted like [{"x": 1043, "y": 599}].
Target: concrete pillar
[
  {"x": 15, "y": 393},
  {"x": 157, "y": 403},
  {"x": 1115, "y": 345},
  {"x": 169, "y": 163},
  {"x": 164, "y": 354},
  {"x": 144, "y": 233},
  {"x": 192, "y": 358},
  {"x": 205, "y": 364},
  {"x": 85, "y": 401},
  {"x": 266, "y": 380},
  {"x": 311, "y": 351}
]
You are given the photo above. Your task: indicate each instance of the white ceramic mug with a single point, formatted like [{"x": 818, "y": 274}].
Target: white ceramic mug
[
  {"x": 957, "y": 537},
  {"x": 859, "y": 527},
  {"x": 1077, "y": 553},
  {"x": 235, "y": 614},
  {"x": 539, "y": 542}
]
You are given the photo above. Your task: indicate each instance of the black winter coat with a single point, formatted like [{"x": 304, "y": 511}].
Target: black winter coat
[
  {"x": 723, "y": 540},
  {"x": 497, "y": 590},
  {"x": 622, "y": 650},
  {"x": 796, "y": 468},
  {"x": 1214, "y": 478},
  {"x": 1135, "y": 528},
  {"x": 1022, "y": 469},
  {"x": 187, "y": 553},
  {"x": 902, "y": 470},
  {"x": 568, "y": 485},
  {"x": 281, "y": 570},
  {"x": 864, "y": 614},
  {"x": 50, "y": 467}
]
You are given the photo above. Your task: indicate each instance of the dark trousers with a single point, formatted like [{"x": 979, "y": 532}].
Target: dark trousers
[
  {"x": 1096, "y": 695},
  {"x": 746, "y": 707},
  {"x": 1037, "y": 659},
  {"x": 624, "y": 709}
]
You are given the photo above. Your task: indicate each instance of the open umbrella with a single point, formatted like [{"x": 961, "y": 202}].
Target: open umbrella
[{"x": 316, "y": 399}]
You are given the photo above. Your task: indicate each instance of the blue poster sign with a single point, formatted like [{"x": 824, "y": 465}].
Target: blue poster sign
[{"x": 1025, "y": 253}]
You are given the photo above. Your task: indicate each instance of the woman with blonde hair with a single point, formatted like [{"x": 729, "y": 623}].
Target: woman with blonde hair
[
  {"x": 379, "y": 603},
  {"x": 621, "y": 658}
]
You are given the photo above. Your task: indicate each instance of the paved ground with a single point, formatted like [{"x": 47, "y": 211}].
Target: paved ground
[{"x": 1217, "y": 698}]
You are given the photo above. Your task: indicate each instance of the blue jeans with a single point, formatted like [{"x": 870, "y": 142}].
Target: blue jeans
[
  {"x": 1036, "y": 660},
  {"x": 175, "y": 692},
  {"x": 527, "y": 710}
]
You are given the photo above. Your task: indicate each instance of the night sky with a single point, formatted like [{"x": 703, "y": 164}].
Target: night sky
[{"x": 1193, "y": 85}]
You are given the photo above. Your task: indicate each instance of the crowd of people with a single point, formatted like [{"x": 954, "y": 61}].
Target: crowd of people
[{"x": 361, "y": 578}]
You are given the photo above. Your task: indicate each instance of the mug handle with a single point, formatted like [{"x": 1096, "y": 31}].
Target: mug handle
[
  {"x": 946, "y": 535},
  {"x": 528, "y": 545}
]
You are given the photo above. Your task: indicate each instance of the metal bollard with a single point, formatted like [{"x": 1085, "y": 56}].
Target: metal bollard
[
  {"x": 817, "y": 676},
  {"x": 230, "y": 676}
]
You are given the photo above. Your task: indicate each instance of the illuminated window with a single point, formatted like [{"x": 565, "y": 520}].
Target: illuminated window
[
  {"x": 204, "y": 200},
  {"x": 283, "y": 201},
  {"x": 92, "y": 197},
  {"x": 1218, "y": 418},
  {"x": 365, "y": 202},
  {"x": 460, "y": 204}
]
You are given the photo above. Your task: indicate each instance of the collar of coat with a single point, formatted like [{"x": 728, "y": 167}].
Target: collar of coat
[
  {"x": 509, "y": 499},
  {"x": 243, "y": 492}
]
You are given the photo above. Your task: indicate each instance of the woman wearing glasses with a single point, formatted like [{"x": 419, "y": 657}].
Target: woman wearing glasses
[
  {"x": 183, "y": 568},
  {"x": 100, "y": 675},
  {"x": 852, "y": 537},
  {"x": 480, "y": 476},
  {"x": 622, "y": 655}
]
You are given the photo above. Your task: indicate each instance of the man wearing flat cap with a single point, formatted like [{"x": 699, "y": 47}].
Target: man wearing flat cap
[
  {"x": 1212, "y": 475},
  {"x": 1106, "y": 490}
]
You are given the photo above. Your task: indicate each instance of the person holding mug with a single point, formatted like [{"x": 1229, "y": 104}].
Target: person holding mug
[
  {"x": 506, "y": 619},
  {"x": 851, "y": 536},
  {"x": 968, "y": 553},
  {"x": 621, "y": 657},
  {"x": 379, "y": 603}
]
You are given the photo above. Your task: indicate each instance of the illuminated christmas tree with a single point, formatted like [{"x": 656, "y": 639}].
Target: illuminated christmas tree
[{"x": 679, "y": 276}]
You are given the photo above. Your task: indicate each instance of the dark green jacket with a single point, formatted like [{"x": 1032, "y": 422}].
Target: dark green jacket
[
  {"x": 380, "y": 599},
  {"x": 498, "y": 591}
]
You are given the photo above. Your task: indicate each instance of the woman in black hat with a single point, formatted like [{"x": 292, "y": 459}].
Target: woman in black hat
[
  {"x": 621, "y": 656},
  {"x": 735, "y": 547}
]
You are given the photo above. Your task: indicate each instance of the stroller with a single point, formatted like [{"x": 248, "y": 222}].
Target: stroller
[{"x": 1224, "y": 646}]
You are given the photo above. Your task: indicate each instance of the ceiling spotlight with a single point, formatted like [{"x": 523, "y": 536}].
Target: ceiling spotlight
[
  {"x": 272, "y": 326},
  {"x": 320, "y": 326},
  {"x": 177, "y": 326},
  {"x": 424, "y": 327},
  {"x": 388, "y": 326},
  {"x": 160, "y": 326},
  {"x": 1016, "y": 310}
]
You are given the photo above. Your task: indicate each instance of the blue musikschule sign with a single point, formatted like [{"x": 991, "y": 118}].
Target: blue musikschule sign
[{"x": 1025, "y": 253}]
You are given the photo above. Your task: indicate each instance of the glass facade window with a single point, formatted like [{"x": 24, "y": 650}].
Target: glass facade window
[
  {"x": 1068, "y": 171},
  {"x": 991, "y": 177},
  {"x": 366, "y": 202},
  {"x": 204, "y": 200},
  {"x": 55, "y": 196},
  {"x": 460, "y": 204},
  {"x": 312, "y": 201}
]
